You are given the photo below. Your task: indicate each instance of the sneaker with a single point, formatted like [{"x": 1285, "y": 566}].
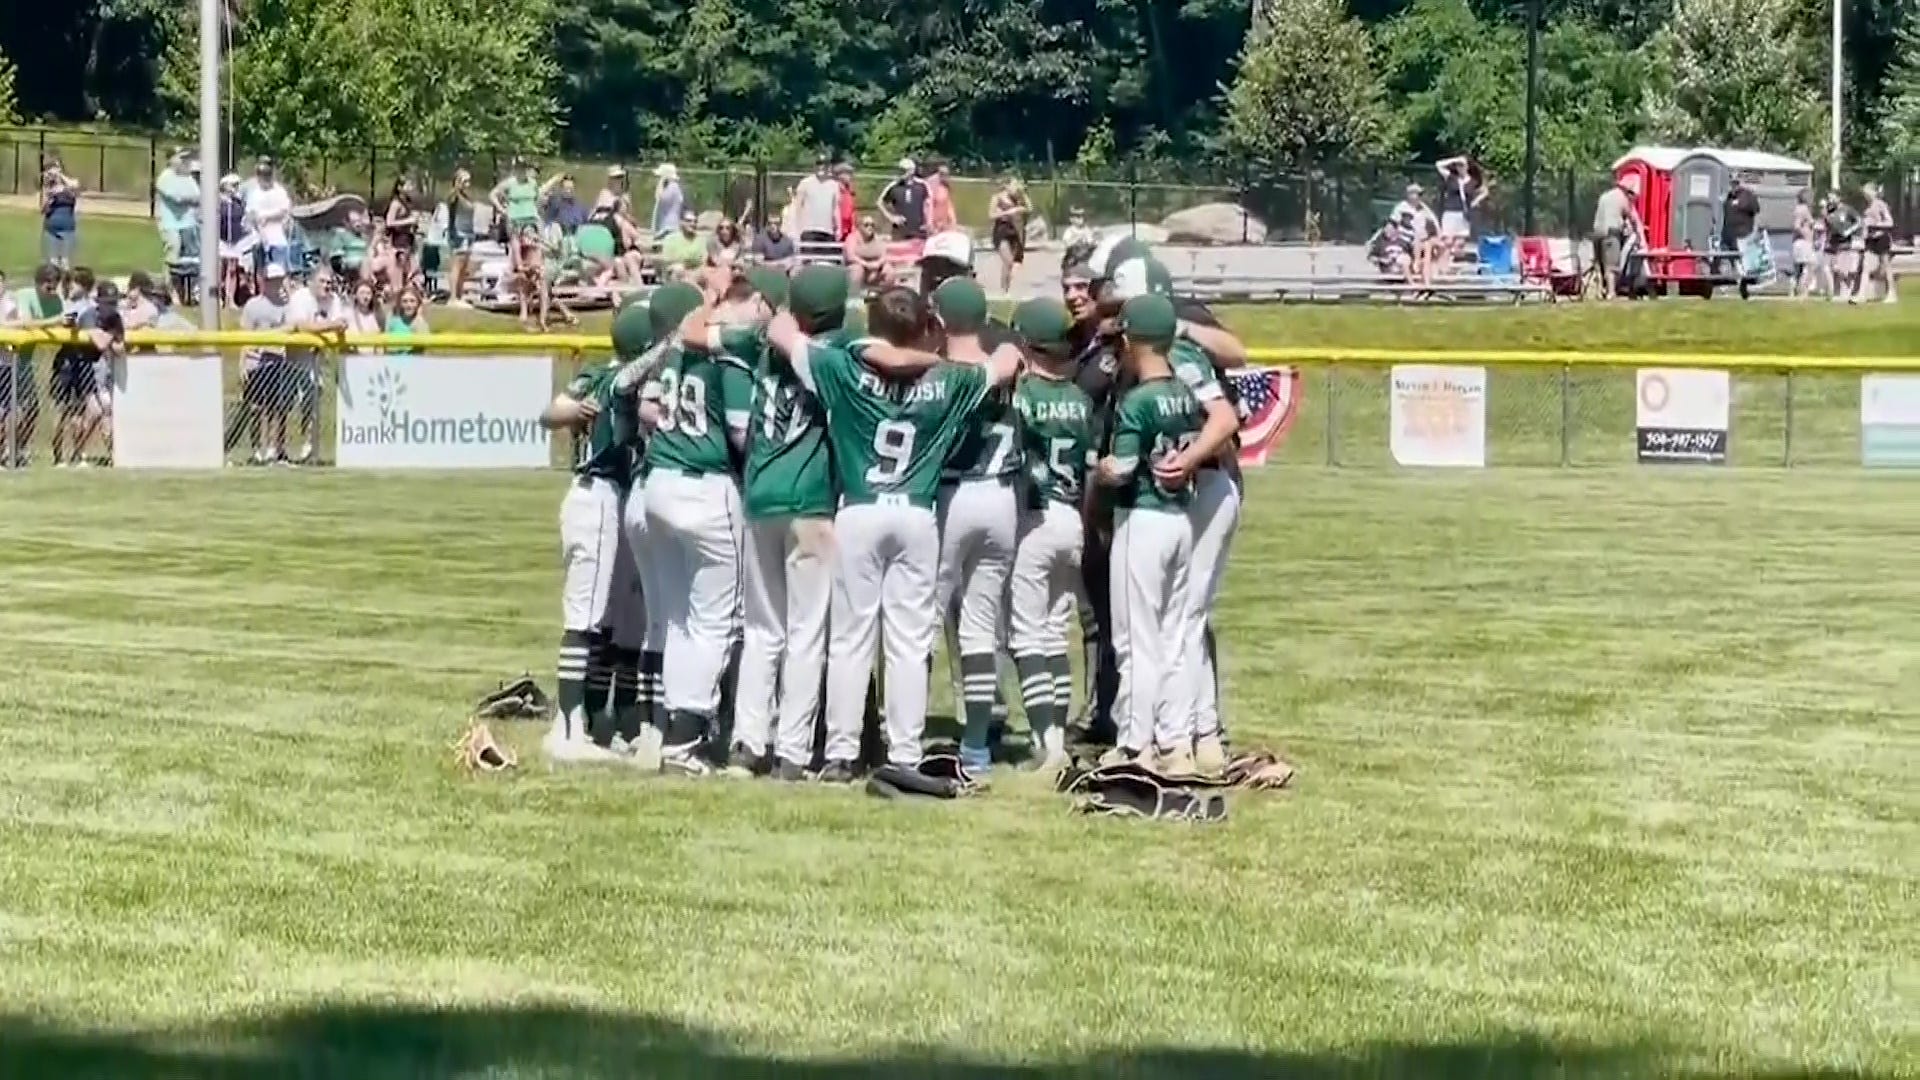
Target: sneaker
[
  {"x": 744, "y": 763},
  {"x": 1177, "y": 761},
  {"x": 643, "y": 750},
  {"x": 787, "y": 772},
  {"x": 563, "y": 750},
  {"x": 684, "y": 760},
  {"x": 1050, "y": 752},
  {"x": 1209, "y": 755},
  {"x": 837, "y": 772},
  {"x": 977, "y": 760},
  {"x": 306, "y": 454}
]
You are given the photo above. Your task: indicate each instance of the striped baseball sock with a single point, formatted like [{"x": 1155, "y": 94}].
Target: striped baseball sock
[
  {"x": 1061, "y": 669},
  {"x": 979, "y": 685},
  {"x": 599, "y": 684},
  {"x": 1036, "y": 695},
  {"x": 571, "y": 691},
  {"x": 626, "y": 692},
  {"x": 653, "y": 688}
]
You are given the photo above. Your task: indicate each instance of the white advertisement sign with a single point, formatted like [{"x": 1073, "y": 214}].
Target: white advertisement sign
[
  {"x": 167, "y": 412},
  {"x": 1438, "y": 416},
  {"x": 443, "y": 412},
  {"x": 1682, "y": 415},
  {"x": 1890, "y": 420}
]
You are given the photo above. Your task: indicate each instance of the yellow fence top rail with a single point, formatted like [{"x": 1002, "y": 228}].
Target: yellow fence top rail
[{"x": 577, "y": 343}]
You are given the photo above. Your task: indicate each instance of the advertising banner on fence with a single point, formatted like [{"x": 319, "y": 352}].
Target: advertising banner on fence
[
  {"x": 167, "y": 412},
  {"x": 1680, "y": 416},
  {"x": 1890, "y": 420},
  {"x": 443, "y": 412},
  {"x": 1438, "y": 416}
]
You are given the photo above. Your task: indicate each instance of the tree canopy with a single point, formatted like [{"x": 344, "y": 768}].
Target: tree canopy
[{"x": 1269, "y": 86}]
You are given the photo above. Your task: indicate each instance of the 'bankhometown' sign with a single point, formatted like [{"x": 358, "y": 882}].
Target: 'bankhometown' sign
[
  {"x": 443, "y": 412},
  {"x": 1890, "y": 420}
]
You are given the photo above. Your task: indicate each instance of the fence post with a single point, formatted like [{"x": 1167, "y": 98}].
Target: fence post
[
  {"x": 153, "y": 176},
  {"x": 1056, "y": 215},
  {"x": 373, "y": 175},
  {"x": 1133, "y": 198},
  {"x": 16, "y": 167},
  {"x": 1339, "y": 231},
  {"x": 1573, "y": 214},
  {"x": 11, "y": 412},
  {"x": 40, "y": 163},
  {"x": 1786, "y": 448},
  {"x": 1566, "y": 409}
]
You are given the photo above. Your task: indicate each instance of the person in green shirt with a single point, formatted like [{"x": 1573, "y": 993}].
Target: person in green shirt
[
  {"x": 895, "y": 414},
  {"x": 176, "y": 203},
  {"x": 38, "y": 306},
  {"x": 1057, "y": 435},
  {"x": 683, "y": 252},
  {"x": 516, "y": 199},
  {"x": 1155, "y": 421},
  {"x": 978, "y": 514},
  {"x": 698, "y": 403}
]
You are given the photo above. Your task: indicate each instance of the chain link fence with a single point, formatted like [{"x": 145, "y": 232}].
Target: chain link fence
[{"x": 284, "y": 407}]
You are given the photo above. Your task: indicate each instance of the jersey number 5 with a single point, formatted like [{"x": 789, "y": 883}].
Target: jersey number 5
[
  {"x": 892, "y": 447},
  {"x": 1060, "y": 460}
]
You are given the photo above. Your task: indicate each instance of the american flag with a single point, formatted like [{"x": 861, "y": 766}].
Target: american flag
[{"x": 1269, "y": 400}]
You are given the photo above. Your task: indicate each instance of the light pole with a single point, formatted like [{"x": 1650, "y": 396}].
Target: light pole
[
  {"x": 210, "y": 170},
  {"x": 1533, "y": 114},
  {"x": 1839, "y": 71}
]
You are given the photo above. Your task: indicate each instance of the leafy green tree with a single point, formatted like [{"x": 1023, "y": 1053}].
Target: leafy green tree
[
  {"x": 1305, "y": 93},
  {"x": 1900, "y": 115},
  {"x": 1735, "y": 73}
]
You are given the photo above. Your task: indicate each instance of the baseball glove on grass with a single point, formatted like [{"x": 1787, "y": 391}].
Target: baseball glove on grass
[
  {"x": 1259, "y": 770},
  {"x": 938, "y": 776},
  {"x": 478, "y": 751},
  {"x": 521, "y": 699},
  {"x": 1128, "y": 789}
]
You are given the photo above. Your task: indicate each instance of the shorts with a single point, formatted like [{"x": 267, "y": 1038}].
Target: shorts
[
  {"x": 1606, "y": 250},
  {"x": 1454, "y": 225},
  {"x": 57, "y": 244},
  {"x": 74, "y": 380},
  {"x": 17, "y": 387},
  {"x": 1009, "y": 236},
  {"x": 401, "y": 239},
  {"x": 271, "y": 385},
  {"x": 1880, "y": 243},
  {"x": 1803, "y": 254}
]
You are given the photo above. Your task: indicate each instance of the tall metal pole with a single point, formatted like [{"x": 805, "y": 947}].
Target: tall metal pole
[
  {"x": 1533, "y": 114},
  {"x": 210, "y": 168},
  {"x": 1833, "y": 182}
]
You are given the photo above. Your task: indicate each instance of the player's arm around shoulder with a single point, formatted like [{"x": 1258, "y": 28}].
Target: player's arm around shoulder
[
  {"x": 1123, "y": 459},
  {"x": 577, "y": 406}
]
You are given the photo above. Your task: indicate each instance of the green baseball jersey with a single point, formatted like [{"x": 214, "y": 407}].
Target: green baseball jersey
[
  {"x": 888, "y": 439},
  {"x": 1156, "y": 418},
  {"x": 990, "y": 446},
  {"x": 1057, "y": 435},
  {"x": 788, "y": 471},
  {"x": 702, "y": 395},
  {"x": 605, "y": 448}
]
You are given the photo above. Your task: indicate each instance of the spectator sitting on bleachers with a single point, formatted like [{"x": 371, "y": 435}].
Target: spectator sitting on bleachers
[
  {"x": 1422, "y": 228},
  {"x": 726, "y": 245},
  {"x": 560, "y": 207},
  {"x": 773, "y": 247},
  {"x": 1391, "y": 250},
  {"x": 866, "y": 256},
  {"x": 684, "y": 251}
]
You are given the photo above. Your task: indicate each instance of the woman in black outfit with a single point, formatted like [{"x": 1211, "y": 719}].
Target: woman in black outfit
[{"x": 403, "y": 230}]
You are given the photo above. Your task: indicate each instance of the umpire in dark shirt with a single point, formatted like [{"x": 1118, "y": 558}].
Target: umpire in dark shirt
[{"x": 904, "y": 202}]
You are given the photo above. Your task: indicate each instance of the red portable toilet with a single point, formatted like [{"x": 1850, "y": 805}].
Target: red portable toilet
[{"x": 1652, "y": 167}]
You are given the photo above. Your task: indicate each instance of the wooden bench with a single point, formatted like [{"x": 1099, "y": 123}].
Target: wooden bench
[{"x": 1360, "y": 288}]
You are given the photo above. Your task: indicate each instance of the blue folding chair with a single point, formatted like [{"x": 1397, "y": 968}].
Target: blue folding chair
[{"x": 1496, "y": 257}]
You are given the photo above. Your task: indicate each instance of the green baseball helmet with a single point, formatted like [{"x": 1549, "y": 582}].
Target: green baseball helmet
[{"x": 632, "y": 330}]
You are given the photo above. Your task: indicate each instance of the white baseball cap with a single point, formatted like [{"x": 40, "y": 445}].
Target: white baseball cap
[
  {"x": 907, "y": 165},
  {"x": 275, "y": 271},
  {"x": 952, "y": 245},
  {"x": 666, "y": 171}
]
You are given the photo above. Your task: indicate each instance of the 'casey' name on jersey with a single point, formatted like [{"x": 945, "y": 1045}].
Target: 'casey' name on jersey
[
  {"x": 1041, "y": 412},
  {"x": 904, "y": 393}
]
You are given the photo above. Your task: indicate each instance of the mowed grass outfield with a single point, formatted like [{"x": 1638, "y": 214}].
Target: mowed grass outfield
[{"x": 1606, "y": 771}]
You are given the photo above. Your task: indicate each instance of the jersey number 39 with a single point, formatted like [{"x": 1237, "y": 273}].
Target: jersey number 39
[{"x": 683, "y": 403}]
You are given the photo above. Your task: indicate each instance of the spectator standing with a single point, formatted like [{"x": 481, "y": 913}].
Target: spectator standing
[
  {"x": 232, "y": 209},
  {"x": 904, "y": 202},
  {"x": 866, "y": 256},
  {"x": 846, "y": 205},
  {"x": 940, "y": 213},
  {"x": 1614, "y": 221},
  {"x": 1805, "y": 260},
  {"x": 138, "y": 311},
  {"x": 176, "y": 203},
  {"x": 351, "y": 246},
  {"x": 773, "y": 247},
  {"x": 403, "y": 229},
  {"x": 36, "y": 307},
  {"x": 460, "y": 234},
  {"x": 1418, "y": 221},
  {"x": 316, "y": 309},
  {"x": 1461, "y": 193},
  {"x": 669, "y": 200},
  {"x": 1877, "y": 227},
  {"x": 59, "y": 213},
  {"x": 1843, "y": 247},
  {"x": 266, "y": 383},
  {"x": 83, "y": 370},
  {"x": 270, "y": 212},
  {"x": 516, "y": 199},
  {"x": 363, "y": 315},
  {"x": 817, "y": 210},
  {"x": 409, "y": 319},
  {"x": 684, "y": 252},
  {"x": 1738, "y": 212},
  {"x": 1009, "y": 211}
]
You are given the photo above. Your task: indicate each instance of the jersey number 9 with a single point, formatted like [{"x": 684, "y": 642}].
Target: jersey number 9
[{"x": 892, "y": 447}]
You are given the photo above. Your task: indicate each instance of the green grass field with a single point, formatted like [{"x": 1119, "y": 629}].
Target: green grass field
[{"x": 1605, "y": 772}]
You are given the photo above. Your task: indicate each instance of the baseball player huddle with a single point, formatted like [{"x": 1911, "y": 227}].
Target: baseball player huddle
[{"x": 767, "y": 493}]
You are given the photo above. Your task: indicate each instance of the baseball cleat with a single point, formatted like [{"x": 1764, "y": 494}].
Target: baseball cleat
[
  {"x": 1176, "y": 763},
  {"x": 685, "y": 760},
  {"x": 787, "y": 772},
  {"x": 1209, "y": 755},
  {"x": 837, "y": 772}
]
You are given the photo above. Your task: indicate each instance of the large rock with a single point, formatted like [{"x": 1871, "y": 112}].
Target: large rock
[
  {"x": 1214, "y": 223},
  {"x": 1038, "y": 231},
  {"x": 1146, "y": 234}
]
